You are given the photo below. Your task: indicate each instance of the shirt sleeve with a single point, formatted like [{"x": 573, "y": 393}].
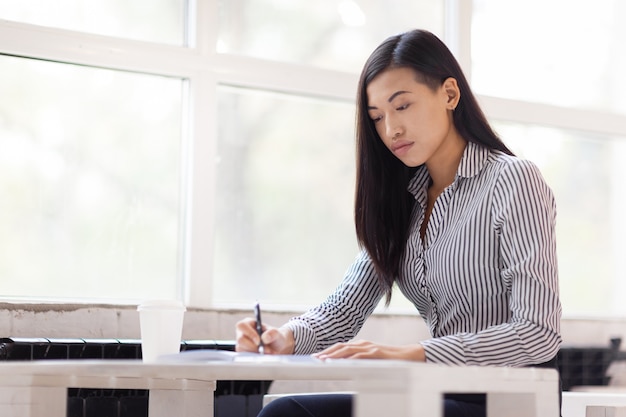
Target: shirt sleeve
[
  {"x": 340, "y": 317},
  {"x": 524, "y": 217}
]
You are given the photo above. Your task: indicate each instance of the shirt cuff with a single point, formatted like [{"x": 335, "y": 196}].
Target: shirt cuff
[
  {"x": 446, "y": 351},
  {"x": 304, "y": 337}
]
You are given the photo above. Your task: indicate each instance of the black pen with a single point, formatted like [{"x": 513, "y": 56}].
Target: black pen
[{"x": 259, "y": 326}]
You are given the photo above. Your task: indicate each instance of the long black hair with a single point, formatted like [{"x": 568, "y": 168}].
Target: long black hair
[{"x": 382, "y": 203}]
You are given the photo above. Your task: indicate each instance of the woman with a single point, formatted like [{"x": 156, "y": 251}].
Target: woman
[{"x": 446, "y": 212}]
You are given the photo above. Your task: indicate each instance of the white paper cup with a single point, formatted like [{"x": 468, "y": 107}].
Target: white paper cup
[{"x": 161, "y": 324}]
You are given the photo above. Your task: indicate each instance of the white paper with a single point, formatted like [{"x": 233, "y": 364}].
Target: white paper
[{"x": 217, "y": 355}]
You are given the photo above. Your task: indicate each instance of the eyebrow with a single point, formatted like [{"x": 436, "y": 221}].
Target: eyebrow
[{"x": 391, "y": 98}]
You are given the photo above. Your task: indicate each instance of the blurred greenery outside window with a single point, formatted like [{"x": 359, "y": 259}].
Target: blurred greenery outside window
[
  {"x": 89, "y": 182},
  {"x": 94, "y": 166}
]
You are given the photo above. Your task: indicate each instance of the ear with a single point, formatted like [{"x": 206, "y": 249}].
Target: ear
[{"x": 453, "y": 94}]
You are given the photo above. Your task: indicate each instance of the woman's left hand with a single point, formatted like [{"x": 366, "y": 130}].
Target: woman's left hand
[{"x": 363, "y": 349}]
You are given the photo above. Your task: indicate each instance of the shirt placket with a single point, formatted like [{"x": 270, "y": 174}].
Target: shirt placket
[
  {"x": 435, "y": 221},
  {"x": 433, "y": 230},
  {"x": 420, "y": 270}
]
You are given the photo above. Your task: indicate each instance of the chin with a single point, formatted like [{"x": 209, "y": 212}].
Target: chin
[{"x": 413, "y": 163}]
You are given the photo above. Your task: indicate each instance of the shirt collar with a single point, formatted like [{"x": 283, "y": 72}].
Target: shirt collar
[{"x": 474, "y": 158}]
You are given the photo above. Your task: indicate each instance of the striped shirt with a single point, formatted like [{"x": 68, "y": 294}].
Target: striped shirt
[{"x": 484, "y": 278}]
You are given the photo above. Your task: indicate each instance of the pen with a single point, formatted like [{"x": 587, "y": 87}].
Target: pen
[{"x": 259, "y": 326}]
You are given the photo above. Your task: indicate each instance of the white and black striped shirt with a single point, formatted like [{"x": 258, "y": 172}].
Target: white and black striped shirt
[{"x": 484, "y": 279}]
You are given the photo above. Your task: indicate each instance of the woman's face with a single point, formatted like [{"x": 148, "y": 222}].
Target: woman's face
[{"x": 412, "y": 120}]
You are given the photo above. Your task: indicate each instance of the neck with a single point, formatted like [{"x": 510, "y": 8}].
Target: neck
[{"x": 443, "y": 166}]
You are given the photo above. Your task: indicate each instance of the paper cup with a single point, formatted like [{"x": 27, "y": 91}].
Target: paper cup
[{"x": 161, "y": 324}]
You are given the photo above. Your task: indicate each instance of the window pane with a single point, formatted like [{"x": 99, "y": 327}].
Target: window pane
[
  {"x": 585, "y": 171},
  {"x": 89, "y": 181},
  {"x": 560, "y": 52},
  {"x": 146, "y": 20},
  {"x": 334, "y": 34},
  {"x": 285, "y": 180}
]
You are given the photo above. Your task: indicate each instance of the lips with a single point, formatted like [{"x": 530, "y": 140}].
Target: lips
[{"x": 401, "y": 147}]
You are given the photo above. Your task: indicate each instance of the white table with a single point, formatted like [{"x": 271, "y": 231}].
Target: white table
[
  {"x": 605, "y": 399},
  {"x": 39, "y": 388}
]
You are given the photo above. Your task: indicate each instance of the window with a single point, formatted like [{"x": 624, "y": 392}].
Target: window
[
  {"x": 90, "y": 181},
  {"x": 284, "y": 230},
  {"x": 518, "y": 54},
  {"x": 556, "y": 97},
  {"x": 144, "y": 20},
  {"x": 584, "y": 171},
  {"x": 333, "y": 34},
  {"x": 285, "y": 181},
  {"x": 205, "y": 157},
  {"x": 204, "y": 150},
  {"x": 91, "y": 175}
]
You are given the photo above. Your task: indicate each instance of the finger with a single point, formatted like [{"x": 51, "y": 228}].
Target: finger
[
  {"x": 273, "y": 340},
  {"x": 338, "y": 351},
  {"x": 245, "y": 344},
  {"x": 332, "y": 349},
  {"x": 271, "y": 335},
  {"x": 367, "y": 353},
  {"x": 346, "y": 346},
  {"x": 247, "y": 339},
  {"x": 244, "y": 329},
  {"x": 358, "y": 349}
]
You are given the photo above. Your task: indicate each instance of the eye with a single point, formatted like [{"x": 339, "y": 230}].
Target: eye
[
  {"x": 403, "y": 107},
  {"x": 376, "y": 119}
]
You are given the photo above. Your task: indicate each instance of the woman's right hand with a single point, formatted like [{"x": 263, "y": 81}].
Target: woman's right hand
[{"x": 276, "y": 341}]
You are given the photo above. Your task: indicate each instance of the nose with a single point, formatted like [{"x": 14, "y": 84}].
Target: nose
[{"x": 394, "y": 130}]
